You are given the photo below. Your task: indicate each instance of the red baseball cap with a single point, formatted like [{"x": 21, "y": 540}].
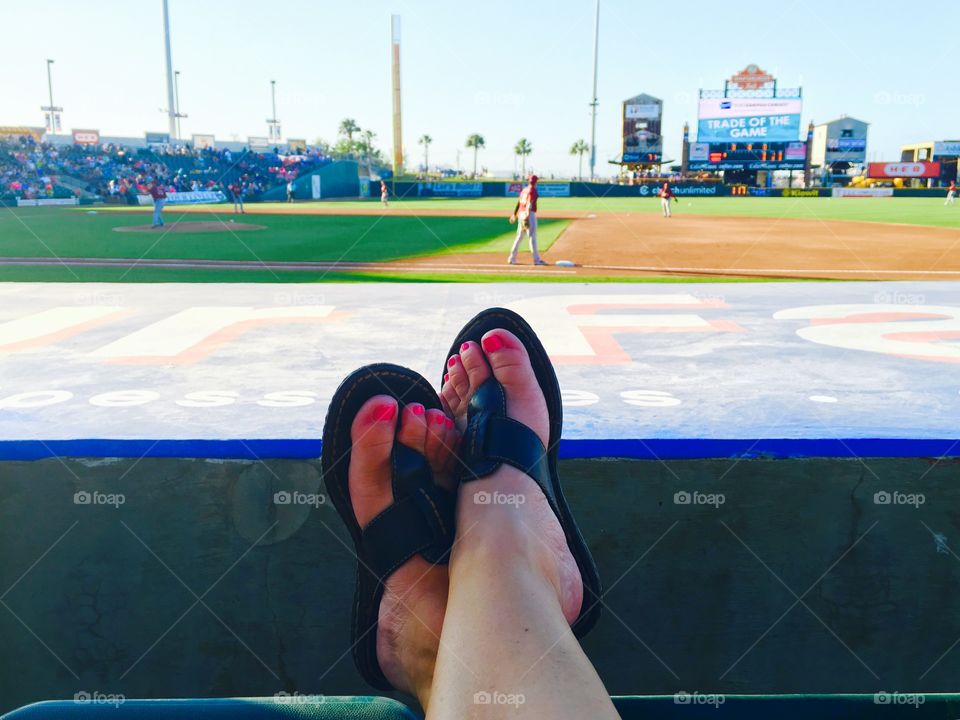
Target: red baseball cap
[{"x": 533, "y": 178}]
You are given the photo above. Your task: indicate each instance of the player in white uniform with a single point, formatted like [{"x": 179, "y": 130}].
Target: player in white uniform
[
  {"x": 666, "y": 195},
  {"x": 951, "y": 193},
  {"x": 525, "y": 215}
]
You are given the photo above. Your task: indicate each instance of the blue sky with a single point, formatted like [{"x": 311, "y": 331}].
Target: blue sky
[{"x": 501, "y": 68}]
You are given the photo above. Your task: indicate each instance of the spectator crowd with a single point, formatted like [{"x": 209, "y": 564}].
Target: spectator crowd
[{"x": 31, "y": 169}]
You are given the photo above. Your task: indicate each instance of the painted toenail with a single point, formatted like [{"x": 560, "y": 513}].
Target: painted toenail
[
  {"x": 464, "y": 347},
  {"x": 417, "y": 409},
  {"x": 438, "y": 419},
  {"x": 385, "y": 412},
  {"x": 492, "y": 343},
  {"x": 449, "y": 424},
  {"x": 446, "y": 378},
  {"x": 452, "y": 361}
]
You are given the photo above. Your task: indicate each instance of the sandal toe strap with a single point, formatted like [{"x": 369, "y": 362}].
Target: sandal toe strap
[{"x": 420, "y": 521}]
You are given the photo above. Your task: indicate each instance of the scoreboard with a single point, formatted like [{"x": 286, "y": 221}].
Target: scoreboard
[
  {"x": 747, "y": 156},
  {"x": 642, "y": 119}
]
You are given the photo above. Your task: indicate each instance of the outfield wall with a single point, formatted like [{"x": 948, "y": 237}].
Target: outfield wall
[
  {"x": 554, "y": 188},
  {"x": 340, "y": 179}
]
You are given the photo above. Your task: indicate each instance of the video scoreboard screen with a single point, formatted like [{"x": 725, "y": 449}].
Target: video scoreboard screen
[
  {"x": 747, "y": 156},
  {"x": 729, "y": 119},
  {"x": 642, "y": 141}
]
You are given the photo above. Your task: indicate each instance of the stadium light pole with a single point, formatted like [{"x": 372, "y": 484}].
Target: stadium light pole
[
  {"x": 176, "y": 98},
  {"x": 53, "y": 112},
  {"x": 171, "y": 101},
  {"x": 272, "y": 122},
  {"x": 594, "y": 103}
]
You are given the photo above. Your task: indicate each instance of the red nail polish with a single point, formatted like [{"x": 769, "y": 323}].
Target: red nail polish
[
  {"x": 449, "y": 424},
  {"x": 464, "y": 347},
  {"x": 438, "y": 419},
  {"x": 446, "y": 378},
  {"x": 452, "y": 361},
  {"x": 385, "y": 412},
  {"x": 417, "y": 409},
  {"x": 492, "y": 343}
]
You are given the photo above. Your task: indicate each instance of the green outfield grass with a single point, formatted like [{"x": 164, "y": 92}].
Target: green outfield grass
[
  {"x": 909, "y": 211},
  {"x": 61, "y": 273},
  {"x": 399, "y": 233},
  {"x": 55, "y": 232}
]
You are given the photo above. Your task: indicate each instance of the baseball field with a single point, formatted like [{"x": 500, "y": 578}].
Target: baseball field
[{"x": 450, "y": 240}]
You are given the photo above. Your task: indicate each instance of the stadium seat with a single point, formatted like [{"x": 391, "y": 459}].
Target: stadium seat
[
  {"x": 662, "y": 707},
  {"x": 789, "y": 707},
  {"x": 269, "y": 708}
]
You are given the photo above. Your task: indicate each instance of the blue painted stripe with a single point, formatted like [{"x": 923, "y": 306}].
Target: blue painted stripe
[{"x": 637, "y": 449}]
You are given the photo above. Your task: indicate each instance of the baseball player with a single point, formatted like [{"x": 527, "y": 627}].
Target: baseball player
[
  {"x": 951, "y": 193},
  {"x": 159, "y": 195},
  {"x": 236, "y": 191},
  {"x": 666, "y": 195},
  {"x": 289, "y": 191},
  {"x": 525, "y": 215},
  {"x": 384, "y": 194}
]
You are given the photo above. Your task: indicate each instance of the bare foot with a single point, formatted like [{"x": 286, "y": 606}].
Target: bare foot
[
  {"x": 415, "y": 598},
  {"x": 507, "y": 508}
]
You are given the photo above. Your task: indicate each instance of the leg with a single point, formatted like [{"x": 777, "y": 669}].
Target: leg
[
  {"x": 514, "y": 586},
  {"x": 512, "y": 257},
  {"x": 412, "y": 609},
  {"x": 156, "y": 213},
  {"x": 532, "y": 234}
]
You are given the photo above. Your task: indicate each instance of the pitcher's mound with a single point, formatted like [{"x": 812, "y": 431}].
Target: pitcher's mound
[{"x": 192, "y": 227}]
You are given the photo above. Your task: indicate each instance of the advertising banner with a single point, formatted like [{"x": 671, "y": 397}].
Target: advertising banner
[
  {"x": 748, "y": 156},
  {"x": 920, "y": 169},
  {"x": 733, "y": 119},
  {"x": 642, "y": 111},
  {"x": 949, "y": 147},
  {"x": 186, "y": 198},
  {"x": 258, "y": 144},
  {"x": 544, "y": 189},
  {"x": 686, "y": 189},
  {"x": 203, "y": 142},
  {"x": 796, "y": 151},
  {"x": 157, "y": 138},
  {"x": 297, "y": 145},
  {"x": 642, "y": 139},
  {"x": 40, "y": 202},
  {"x": 699, "y": 152},
  {"x": 846, "y": 145},
  {"x": 451, "y": 189},
  {"x": 7, "y": 131},
  {"x": 862, "y": 192},
  {"x": 86, "y": 137}
]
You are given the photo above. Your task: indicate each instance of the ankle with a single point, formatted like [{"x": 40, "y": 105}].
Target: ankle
[
  {"x": 409, "y": 665},
  {"x": 496, "y": 530}
]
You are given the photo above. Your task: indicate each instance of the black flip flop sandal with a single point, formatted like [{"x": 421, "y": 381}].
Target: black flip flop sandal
[
  {"x": 421, "y": 519},
  {"x": 491, "y": 438}
]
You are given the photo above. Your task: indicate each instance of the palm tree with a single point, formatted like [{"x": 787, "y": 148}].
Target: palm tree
[
  {"x": 367, "y": 142},
  {"x": 523, "y": 148},
  {"x": 579, "y": 148},
  {"x": 366, "y": 145},
  {"x": 348, "y": 126},
  {"x": 425, "y": 140},
  {"x": 476, "y": 142}
]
